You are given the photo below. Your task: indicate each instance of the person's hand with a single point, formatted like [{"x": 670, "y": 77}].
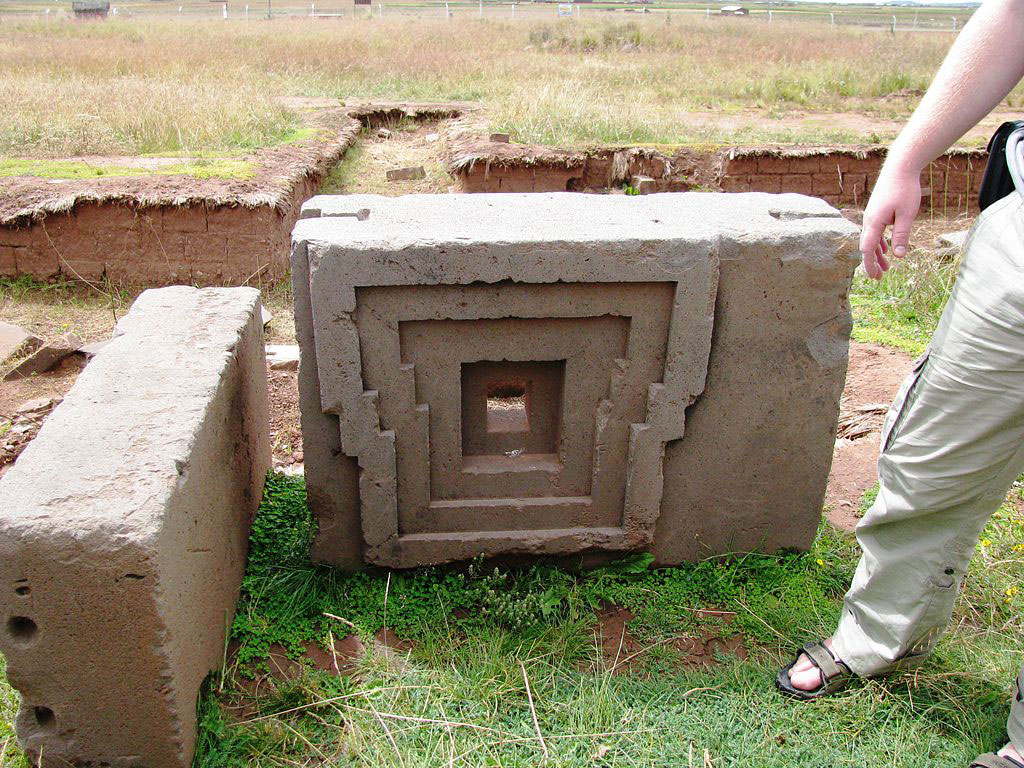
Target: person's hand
[{"x": 894, "y": 201}]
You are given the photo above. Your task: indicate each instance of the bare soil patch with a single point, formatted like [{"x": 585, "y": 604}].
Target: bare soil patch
[
  {"x": 621, "y": 651},
  {"x": 285, "y": 426},
  {"x": 873, "y": 378},
  {"x": 25, "y": 404},
  {"x": 392, "y": 145}
]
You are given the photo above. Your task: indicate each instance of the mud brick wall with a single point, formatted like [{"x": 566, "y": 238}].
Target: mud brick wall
[
  {"x": 948, "y": 186},
  {"x": 676, "y": 361},
  {"x": 123, "y": 532},
  {"x": 135, "y": 244}
]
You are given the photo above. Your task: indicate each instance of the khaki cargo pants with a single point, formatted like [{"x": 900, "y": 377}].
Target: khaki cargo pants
[{"x": 952, "y": 444}]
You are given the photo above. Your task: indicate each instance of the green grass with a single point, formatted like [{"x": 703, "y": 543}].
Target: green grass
[
  {"x": 903, "y": 308},
  {"x": 200, "y": 168},
  {"x": 459, "y": 696},
  {"x": 10, "y": 756}
]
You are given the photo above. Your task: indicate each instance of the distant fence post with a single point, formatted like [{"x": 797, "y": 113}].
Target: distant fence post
[
  {"x": 893, "y": 30},
  {"x": 833, "y": 22}
]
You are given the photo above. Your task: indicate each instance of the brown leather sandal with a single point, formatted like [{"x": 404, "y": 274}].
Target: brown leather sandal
[
  {"x": 835, "y": 675},
  {"x": 992, "y": 760}
]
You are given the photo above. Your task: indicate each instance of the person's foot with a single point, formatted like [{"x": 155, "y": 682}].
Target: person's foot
[
  {"x": 1009, "y": 751},
  {"x": 804, "y": 675}
]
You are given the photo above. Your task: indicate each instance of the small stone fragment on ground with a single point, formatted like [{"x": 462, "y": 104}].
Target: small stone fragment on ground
[
  {"x": 432, "y": 137},
  {"x": 45, "y": 357},
  {"x": 38, "y": 405},
  {"x": 500, "y": 138},
  {"x": 383, "y": 133},
  {"x": 406, "y": 174},
  {"x": 644, "y": 185},
  {"x": 954, "y": 239},
  {"x": 23, "y": 427},
  {"x": 90, "y": 350},
  {"x": 15, "y": 340},
  {"x": 283, "y": 357},
  {"x": 950, "y": 244}
]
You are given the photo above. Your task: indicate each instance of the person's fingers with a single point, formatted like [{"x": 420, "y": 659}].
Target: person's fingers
[
  {"x": 882, "y": 259},
  {"x": 901, "y": 233},
  {"x": 871, "y": 264},
  {"x": 870, "y": 235},
  {"x": 884, "y": 245}
]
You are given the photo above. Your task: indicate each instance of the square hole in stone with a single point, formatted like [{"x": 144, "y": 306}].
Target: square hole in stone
[
  {"x": 506, "y": 406},
  {"x": 511, "y": 407}
]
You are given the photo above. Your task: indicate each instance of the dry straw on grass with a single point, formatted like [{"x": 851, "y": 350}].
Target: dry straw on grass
[{"x": 171, "y": 86}]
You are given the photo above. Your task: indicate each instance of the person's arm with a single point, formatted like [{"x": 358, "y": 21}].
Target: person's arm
[{"x": 984, "y": 64}]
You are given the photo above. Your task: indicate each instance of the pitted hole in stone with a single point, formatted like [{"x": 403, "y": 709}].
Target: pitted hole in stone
[
  {"x": 23, "y": 591},
  {"x": 22, "y": 629},
  {"x": 45, "y": 719},
  {"x": 506, "y": 407}
]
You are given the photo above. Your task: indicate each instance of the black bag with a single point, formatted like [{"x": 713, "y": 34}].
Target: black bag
[{"x": 996, "y": 183}]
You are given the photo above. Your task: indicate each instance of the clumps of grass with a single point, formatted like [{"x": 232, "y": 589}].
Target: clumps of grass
[{"x": 595, "y": 80}]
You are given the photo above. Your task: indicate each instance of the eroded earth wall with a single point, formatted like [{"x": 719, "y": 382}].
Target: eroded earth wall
[
  {"x": 123, "y": 532},
  {"x": 555, "y": 373}
]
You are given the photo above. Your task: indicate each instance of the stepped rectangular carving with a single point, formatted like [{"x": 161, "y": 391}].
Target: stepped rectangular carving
[{"x": 505, "y": 370}]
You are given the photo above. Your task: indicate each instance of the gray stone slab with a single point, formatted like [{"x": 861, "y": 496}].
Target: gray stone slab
[
  {"x": 123, "y": 532},
  {"x": 283, "y": 357},
  {"x": 757, "y": 341},
  {"x": 15, "y": 340},
  {"x": 46, "y": 357}
]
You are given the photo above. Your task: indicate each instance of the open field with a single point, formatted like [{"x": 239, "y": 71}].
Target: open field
[{"x": 109, "y": 89}]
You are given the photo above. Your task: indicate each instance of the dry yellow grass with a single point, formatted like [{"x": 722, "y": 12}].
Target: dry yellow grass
[{"x": 171, "y": 86}]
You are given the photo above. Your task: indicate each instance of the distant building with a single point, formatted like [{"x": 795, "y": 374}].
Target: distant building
[
  {"x": 363, "y": 2},
  {"x": 735, "y": 10},
  {"x": 90, "y": 9}
]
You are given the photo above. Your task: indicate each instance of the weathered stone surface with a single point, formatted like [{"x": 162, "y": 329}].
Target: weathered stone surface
[
  {"x": 500, "y": 138},
  {"x": 645, "y": 185},
  {"x": 123, "y": 531},
  {"x": 15, "y": 341},
  {"x": 691, "y": 350},
  {"x": 47, "y": 356},
  {"x": 406, "y": 174}
]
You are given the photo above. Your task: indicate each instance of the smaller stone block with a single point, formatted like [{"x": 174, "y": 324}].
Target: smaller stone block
[
  {"x": 500, "y": 138},
  {"x": 407, "y": 174},
  {"x": 123, "y": 533},
  {"x": 15, "y": 340},
  {"x": 283, "y": 357},
  {"x": 46, "y": 357},
  {"x": 645, "y": 185}
]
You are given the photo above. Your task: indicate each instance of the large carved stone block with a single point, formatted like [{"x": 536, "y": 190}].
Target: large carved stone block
[{"x": 502, "y": 374}]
